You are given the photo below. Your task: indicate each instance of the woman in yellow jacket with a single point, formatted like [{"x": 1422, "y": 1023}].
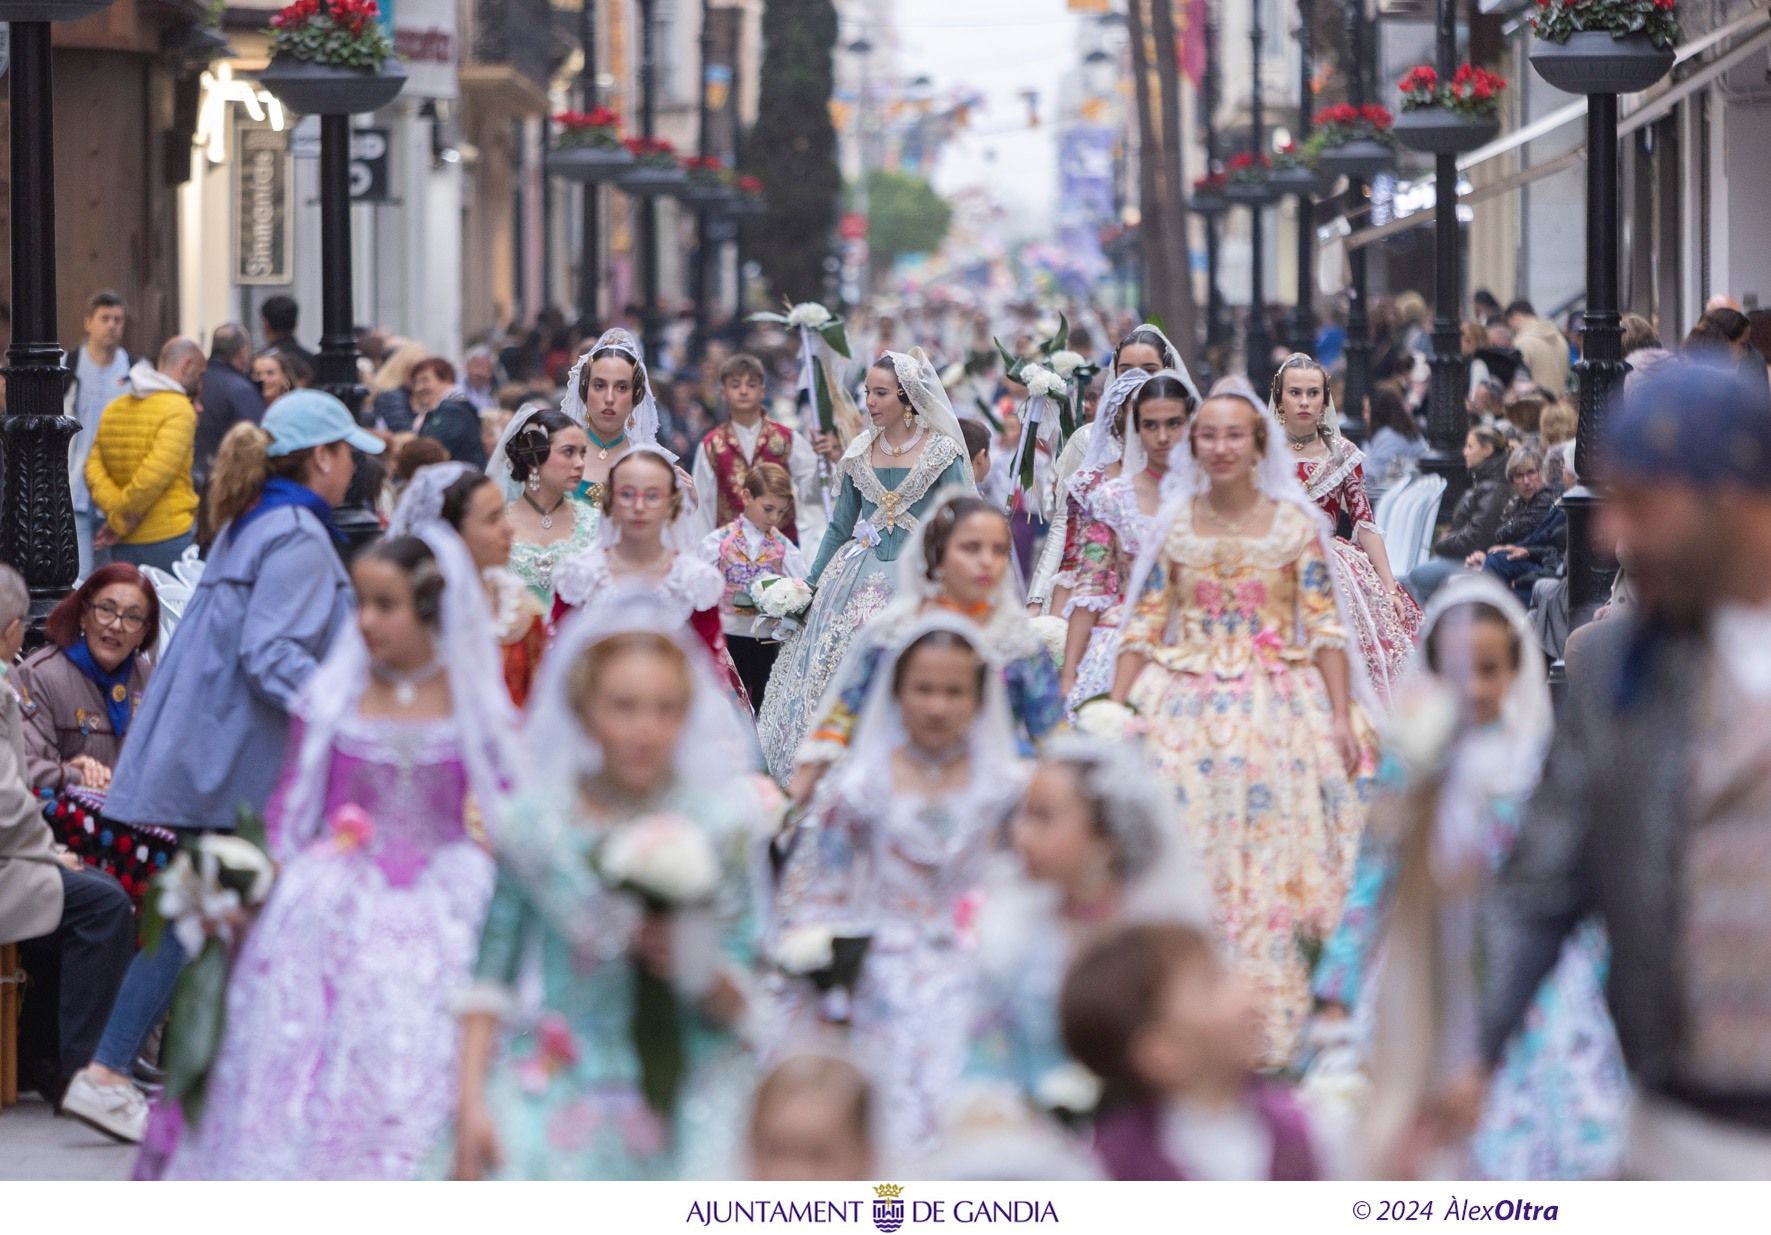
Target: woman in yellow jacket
[{"x": 139, "y": 470}]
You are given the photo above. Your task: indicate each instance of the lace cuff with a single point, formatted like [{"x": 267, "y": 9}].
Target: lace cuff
[
  {"x": 482, "y": 996},
  {"x": 1328, "y": 636},
  {"x": 1094, "y": 604},
  {"x": 1367, "y": 525}
]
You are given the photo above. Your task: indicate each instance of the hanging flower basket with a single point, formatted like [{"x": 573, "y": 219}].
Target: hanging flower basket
[
  {"x": 1352, "y": 141},
  {"x": 1292, "y": 173},
  {"x": 1449, "y": 117},
  {"x": 1208, "y": 195},
  {"x": 1594, "y": 62},
  {"x": 655, "y": 172},
  {"x": 332, "y": 58},
  {"x": 747, "y": 200},
  {"x": 587, "y": 146},
  {"x": 707, "y": 184},
  {"x": 1248, "y": 180}
]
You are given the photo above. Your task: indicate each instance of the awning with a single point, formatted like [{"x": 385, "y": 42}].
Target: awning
[{"x": 1650, "y": 109}]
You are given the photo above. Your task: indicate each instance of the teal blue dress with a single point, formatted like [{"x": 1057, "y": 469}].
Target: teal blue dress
[
  {"x": 855, "y": 574},
  {"x": 564, "y": 1089}
]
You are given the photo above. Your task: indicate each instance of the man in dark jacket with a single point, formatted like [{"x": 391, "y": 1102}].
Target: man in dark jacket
[
  {"x": 1654, "y": 816},
  {"x": 227, "y": 396},
  {"x": 445, "y": 413}
]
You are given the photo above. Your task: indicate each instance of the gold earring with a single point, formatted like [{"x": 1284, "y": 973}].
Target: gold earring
[{"x": 909, "y": 419}]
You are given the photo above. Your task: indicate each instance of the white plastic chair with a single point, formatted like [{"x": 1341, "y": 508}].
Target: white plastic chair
[{"x": 1417, "y": 541}]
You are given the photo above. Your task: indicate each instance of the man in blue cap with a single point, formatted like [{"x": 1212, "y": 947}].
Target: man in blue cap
[{"x": 1655, "y": 810}]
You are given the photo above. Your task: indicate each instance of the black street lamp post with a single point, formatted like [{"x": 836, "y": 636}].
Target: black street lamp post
[
  {"x": 1447, "y": 421},
  {"x": 1214, "y": 297},
  {"x": 336, "y": 365},
  {"x": 1257, "y": 343},
  {"x": 651, "y": 326},
  {"x": 704, "y": 227},
  {"x": 1358, "y": 376},
  {"x": 38, "y": 526},
  {"x": 1303, "y": 316},
  {"x": 590, "y": 228}
]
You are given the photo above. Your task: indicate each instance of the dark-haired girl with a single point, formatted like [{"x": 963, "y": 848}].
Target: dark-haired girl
[
  {"x": 896, "y": 850},
  {"x": 959, "y": 561},
  {"x": 545, "y": 453},
  {"x": 339, "y": 1052},
  {"x": 1470, "y": 735},
  {"x": 889, "y": 476}
]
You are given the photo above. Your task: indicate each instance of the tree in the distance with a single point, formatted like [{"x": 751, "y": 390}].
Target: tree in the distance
[
  {"x": 903, "y": 216},
  {"x": 792, "y": 148}
]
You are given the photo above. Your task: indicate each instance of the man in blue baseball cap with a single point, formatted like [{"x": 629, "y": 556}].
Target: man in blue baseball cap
[{"x": 1654, "y": 815}]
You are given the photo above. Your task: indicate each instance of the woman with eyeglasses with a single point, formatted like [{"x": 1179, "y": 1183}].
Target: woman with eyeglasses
[
  {"x": 641, "y": 499},
  {"x": 79, "y": 692}
]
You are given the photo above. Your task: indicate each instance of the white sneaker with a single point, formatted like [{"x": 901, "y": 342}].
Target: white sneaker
[{"x": 118, "y": 1111}]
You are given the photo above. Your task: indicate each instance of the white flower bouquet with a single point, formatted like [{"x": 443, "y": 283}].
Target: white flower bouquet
[
  {"x": 780, "y": 597},
  {"x": 1043, "y": 383},
  {"x": 810, "y": 314},
  {"x": 830, "y": 959},
  {"x": 663, "y": 859},
  {"x": 1054, "y": 633},
  {"x": 1107, "y": 719},
  {"x": 1066, "y": 363},
  {"x": 1070, "y": 1091}
]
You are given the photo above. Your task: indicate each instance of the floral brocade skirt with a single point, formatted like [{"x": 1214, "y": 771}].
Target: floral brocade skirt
[
  {"x": 1272, "y": 813},
  {"x": 850, "y": 592},
  {"x": 1386, "y": 625}
]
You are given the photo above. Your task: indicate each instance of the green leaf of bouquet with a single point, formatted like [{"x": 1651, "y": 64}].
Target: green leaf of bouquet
[
  {"x": 249, "y": 825},
  {"x": 1061, "y": 340},
  {"x": 194, "y": 1029},
  {"x": 838, "y": 338},
  {"x": 821, "y": 392}
]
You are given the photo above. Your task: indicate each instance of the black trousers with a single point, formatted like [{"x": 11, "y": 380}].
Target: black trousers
[
  {"x": 754, "y": 659},
  {"x": 75, "y": 971}
]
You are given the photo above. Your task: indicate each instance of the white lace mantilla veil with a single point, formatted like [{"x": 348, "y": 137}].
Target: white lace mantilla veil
[
  {"x": 1171, "y": 359},
  {"x": 1011, "y": 630},
  {"x": 422, "y": 501},
  {"x": 642, "y": 422},
  {"x": 466, "y": 645},
  {"x": 1104, "y": 445},
  {"x": 864, "y": 777},
  {"x": 1275, "y": 478},
  {"x": 928, "y": 398}
]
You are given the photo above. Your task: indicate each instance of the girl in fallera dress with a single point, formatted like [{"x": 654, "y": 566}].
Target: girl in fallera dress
[
  {"x": 1234, "y": 654},
  {"x": 609, "y": 392},
  {"x": 888, "y": 477},
  {"x": 958, "y": 561},
  {"x": 469, "y": 502},
  {"x": 541, "y": 461},
  {"x": 1384, "y": 619},
  {"x": 640, "y": 504},
  {"x": 629, "y": 731},
  {"x": 339, "y": 1049},
  {"x": 1111, "y": 521},
  {"x": 1096, "y": 841},
  {"x": 894, "y": 848},
  {"x": 1406, "y": 958}
]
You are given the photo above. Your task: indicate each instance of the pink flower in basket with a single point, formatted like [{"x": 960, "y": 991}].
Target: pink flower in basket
[{"x": 352, "y": 827}]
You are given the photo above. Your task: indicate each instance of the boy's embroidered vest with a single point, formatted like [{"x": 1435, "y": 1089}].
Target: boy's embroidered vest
[
  {"x": 774, "y": 444},
  {"x": 741, "y": 570}
]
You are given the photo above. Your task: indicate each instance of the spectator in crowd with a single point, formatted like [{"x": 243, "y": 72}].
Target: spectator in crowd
[
  {"x": 278, "y": 373},
  {"x": 391, "y": 388},
  {"x": 1486, "y": 307},
  {"x": 371, "y": 344},
  {"x": 1560, "y": 422},
  {"x": 71, "y": 922},
  {"x": 480, "y": 377},
  {"x": 227, "y": 396},
  {"x": 277, "y": 318},
  {"x": 1638, "y": 333},
  {"x": 442, "y": 411},
  {"x": 1532, "y": 536},
  {"x": 1475, "y": 519},
  {"x": 100, "y": 373},
  {"x": 1547, "y": 358},
  {"x": 214, "y": 727},
  {"x": 1723, "y": 337},
  {"x": 1411, "y": 315},
  {"x": 140, "y": 467},
  {"x": 1395, "y": 444},
  {"x": 410, "y": 454},
  {"x": 1652, "y": 817},
  {"x": 76, "y": 717}
]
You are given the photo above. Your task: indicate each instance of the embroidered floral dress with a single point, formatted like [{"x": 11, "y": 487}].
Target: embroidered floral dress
[
  {"x": 1108, "y": 529},
  {"x": 904, "y": 868},
  {"x": 1239, "y": 721},
  {"x": 1029, "y": 675},
  {"x": 876, "y": 510},
  {"x": 339, "y": 1056},
  {"x": 1386, "y": 640},
  {"x": 521, "y": 624},
  {"x": 1556, "y": 1106},
  {"x": 535, "y": 564},
  {"x": 564, "y": 1088},
  {"x": 690, "y": 587}
]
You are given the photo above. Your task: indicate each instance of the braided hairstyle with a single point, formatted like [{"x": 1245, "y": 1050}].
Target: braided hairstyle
[{"x": 530, "y": 446}]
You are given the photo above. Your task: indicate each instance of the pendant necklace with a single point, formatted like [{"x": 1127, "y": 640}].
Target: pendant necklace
[
  {"x": 893, "y": 452},
  {"x": 546, "y": 515},
  {"x": 603, "y": 448},
  {"x": 406, "y": 682},
  {"x": 933, "y": 764},
  {"x": 1299, "y": 445}
]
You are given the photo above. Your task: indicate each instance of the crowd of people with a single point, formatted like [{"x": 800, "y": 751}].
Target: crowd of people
[{"x": 913, "y": 782}]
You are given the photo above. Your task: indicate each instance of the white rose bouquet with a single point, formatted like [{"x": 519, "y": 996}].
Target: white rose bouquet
[
  {"x": 1054, "y": 633},
  {"x": 780, "y": 597},
  {"x": 1107, "y": 719},
  {"x": 1043, "y": 383},
  {"x": 664, "y": 859},
  {"x": 1066, "y": 363},
  {"x": 810, "y": 314}
]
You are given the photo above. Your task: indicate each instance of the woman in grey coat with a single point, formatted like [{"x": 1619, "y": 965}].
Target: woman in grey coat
[{"x": 210, "y": 736}]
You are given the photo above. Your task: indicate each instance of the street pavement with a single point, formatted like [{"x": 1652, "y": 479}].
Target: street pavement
[{"x": 34, "y": 1144}]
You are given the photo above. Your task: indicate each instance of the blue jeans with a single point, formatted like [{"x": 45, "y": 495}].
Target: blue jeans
[
  {"x": 1520, "y": 574},
  {"x": 86, "y": 525},
  {"x": 1431, "y": 575},
  {"x": 142, "y": 1003},
  {"x": 160, "y": 554}
]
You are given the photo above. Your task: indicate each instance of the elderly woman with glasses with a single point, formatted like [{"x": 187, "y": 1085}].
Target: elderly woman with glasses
[{"x": 79, "y": 692}]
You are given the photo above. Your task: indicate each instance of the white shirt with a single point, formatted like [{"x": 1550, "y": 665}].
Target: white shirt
[
  {"x": 98, "y": 385},
  {"x": 793, "y": 565},
  {"x": 802, "y": 465}
]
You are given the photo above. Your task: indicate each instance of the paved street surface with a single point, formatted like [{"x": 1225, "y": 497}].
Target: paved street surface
[{"x": 34, "y": 1144}]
